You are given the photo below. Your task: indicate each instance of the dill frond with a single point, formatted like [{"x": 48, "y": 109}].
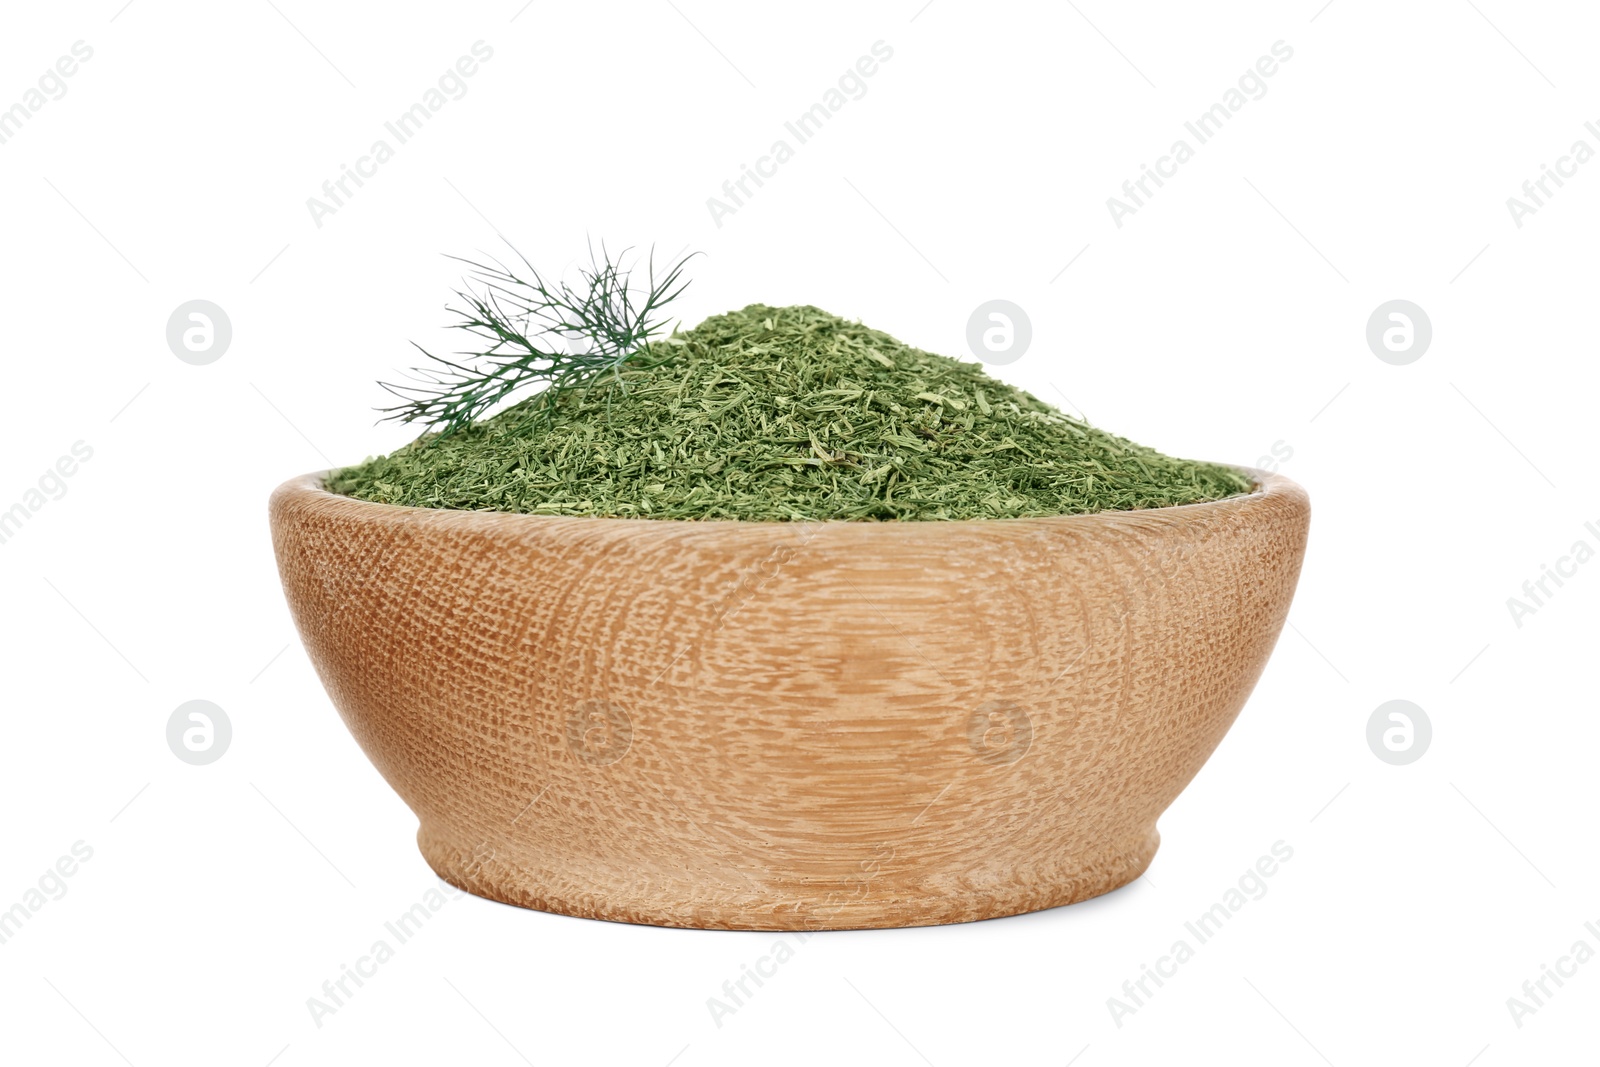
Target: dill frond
[{"x": 529, "y": 331}]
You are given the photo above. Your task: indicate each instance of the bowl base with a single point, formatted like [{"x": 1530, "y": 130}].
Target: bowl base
[{"x": 858, "y": 903}]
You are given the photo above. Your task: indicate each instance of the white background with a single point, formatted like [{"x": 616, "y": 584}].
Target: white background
[{"x": 1226, "y": 316}]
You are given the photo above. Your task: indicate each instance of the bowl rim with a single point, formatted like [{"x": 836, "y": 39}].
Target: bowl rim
[{"x": 309, "y": 488}]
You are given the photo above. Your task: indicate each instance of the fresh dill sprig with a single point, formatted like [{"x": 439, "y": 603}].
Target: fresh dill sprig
[{"x": 530, "y": 331}]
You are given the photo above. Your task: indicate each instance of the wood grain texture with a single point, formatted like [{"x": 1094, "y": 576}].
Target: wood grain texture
[{"x": 786, "y": 726}]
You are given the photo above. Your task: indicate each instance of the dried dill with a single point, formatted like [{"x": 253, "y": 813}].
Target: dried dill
[{"x": 784, "y": 414}]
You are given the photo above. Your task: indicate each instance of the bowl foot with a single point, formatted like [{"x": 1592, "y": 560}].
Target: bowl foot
[{"x": 772, "y": 902}]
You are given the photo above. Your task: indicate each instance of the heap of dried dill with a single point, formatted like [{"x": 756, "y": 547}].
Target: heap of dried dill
[{"x": 785, "y": 414}]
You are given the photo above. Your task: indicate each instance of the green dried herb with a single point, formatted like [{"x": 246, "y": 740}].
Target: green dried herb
[{"x": 785, "y": 414}]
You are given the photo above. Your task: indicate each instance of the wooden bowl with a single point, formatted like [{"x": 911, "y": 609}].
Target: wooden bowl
[{"x": 785, "y": 726}]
